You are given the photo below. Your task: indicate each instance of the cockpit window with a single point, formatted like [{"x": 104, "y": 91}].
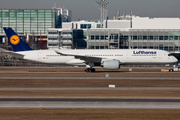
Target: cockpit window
[{"x": 170, "y": 54}]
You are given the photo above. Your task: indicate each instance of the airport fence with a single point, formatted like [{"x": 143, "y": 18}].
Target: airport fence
[{"x": 25, "y": 63}]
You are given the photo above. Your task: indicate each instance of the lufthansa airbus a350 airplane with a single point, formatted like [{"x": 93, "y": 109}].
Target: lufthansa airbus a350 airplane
[{"x": 108, "y": 59}]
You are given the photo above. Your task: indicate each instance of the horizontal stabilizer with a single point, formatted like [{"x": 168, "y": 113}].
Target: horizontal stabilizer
[{"x": 14, "y": 54}]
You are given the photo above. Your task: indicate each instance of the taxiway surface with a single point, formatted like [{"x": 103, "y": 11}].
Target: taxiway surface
[
  {"x": 120, "y": 103},
  {"x": 35, "y": 82},
  {"x": 101, "y": 88},
  {"x": 104, "y": 78}
]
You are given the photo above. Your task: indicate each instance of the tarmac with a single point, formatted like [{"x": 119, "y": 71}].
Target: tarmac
[
  {"x": 102, "y": 88},
  {"x": 95, "y": 102},
  {"x": 86, "y": 78},
  {"x": 89, "y": 102}
]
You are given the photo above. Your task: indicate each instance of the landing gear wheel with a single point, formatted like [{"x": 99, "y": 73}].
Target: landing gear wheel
[
  {"x": 90, "y": 70},
  {"x": 171, "y": 70},
  {"x": 93, "y": 70},
  {"x": 87, "y": 70}
]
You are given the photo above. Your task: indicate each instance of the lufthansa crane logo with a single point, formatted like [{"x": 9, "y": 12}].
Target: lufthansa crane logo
[{"x": 14, "y": 39}]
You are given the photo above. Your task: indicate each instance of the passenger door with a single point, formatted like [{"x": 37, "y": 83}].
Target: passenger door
[
  {"x": 127, "y": 55},
  {"x": 39, "y": 55},
  {"x": 159, "y": 55}
]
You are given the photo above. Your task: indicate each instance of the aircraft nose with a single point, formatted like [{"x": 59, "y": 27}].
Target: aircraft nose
[{"x": 175, "y": 59}]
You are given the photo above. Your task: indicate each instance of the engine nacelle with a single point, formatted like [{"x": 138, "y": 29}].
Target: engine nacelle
[{"x": 111, "y": 64}]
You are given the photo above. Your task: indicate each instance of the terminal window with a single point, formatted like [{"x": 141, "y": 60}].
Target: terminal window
[{"x": 85, "y": 26}]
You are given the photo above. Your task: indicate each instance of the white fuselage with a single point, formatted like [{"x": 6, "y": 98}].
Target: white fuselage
[{"x": 125, "y": 56}]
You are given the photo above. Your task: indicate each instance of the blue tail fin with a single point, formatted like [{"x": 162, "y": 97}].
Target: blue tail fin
[{"x": 16, "y": 42}]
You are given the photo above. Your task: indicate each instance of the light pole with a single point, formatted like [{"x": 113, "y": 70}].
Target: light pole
[{"x": 104, "y": 10}]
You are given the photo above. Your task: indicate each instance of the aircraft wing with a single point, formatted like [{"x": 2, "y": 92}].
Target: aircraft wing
[
  {"x": 81, "y": 57},
  {"x": 11, "y": 53}
]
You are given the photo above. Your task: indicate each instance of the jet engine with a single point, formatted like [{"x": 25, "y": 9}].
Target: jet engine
[{"x": 111, "y": 64}]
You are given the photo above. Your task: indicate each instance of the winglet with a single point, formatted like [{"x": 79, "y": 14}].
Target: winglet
[{"x": 15, "y": 41}]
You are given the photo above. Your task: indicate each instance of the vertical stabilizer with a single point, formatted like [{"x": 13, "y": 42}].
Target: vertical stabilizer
[{"x": 16, "y": 42}]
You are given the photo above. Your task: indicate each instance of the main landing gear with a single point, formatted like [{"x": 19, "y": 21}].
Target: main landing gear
[
  {"x": 90, "y": 70},
  {"x": 89, "y": 67}
]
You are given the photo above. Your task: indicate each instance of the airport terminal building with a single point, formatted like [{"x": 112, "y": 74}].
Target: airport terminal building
[
  {"x": 135, "y": 33},
  {"x": 32, "y": 23},
  {"x": 55, "y": 27}
]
